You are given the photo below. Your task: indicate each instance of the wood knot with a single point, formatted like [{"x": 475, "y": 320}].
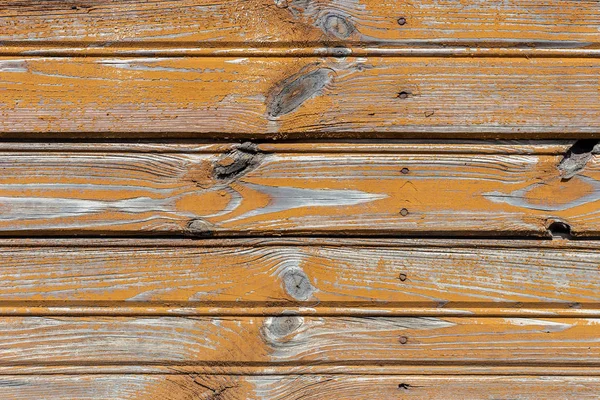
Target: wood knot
[
  {"x": 199, "y": 228},
  {"x": 291, "y": 93},
  {"x": 278, "y": 328},
  {"x": 297, "y": 284},
  {"x": 237, "y": 162},
  {"x": 576, "y": 157},
  {"x": 336, "y": 25}
]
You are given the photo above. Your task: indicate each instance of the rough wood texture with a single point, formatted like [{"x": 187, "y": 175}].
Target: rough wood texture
[
  {"x": 261, "y": 22},
  {"x": 247, "y": 191},
  {"x": 300, "y": 97},
  {"x": 303, "y": 387},
  {"x": 347, "y": 277},
  {"x": 297, "y": 340}
]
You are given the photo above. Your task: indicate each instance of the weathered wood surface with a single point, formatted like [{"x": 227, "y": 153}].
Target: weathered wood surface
[
  {"x": 343, "y": 277},
  {"x": 297, "y": 340},
  {"x": 305, "y": 387},
  {"x": 247, "y": 191},
  {"x": 300, "y": 97},
  {"x": 558, "y": 23}
]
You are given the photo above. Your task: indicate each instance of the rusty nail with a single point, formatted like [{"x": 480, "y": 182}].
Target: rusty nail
[
  {"x": 403, "y": 339},
  {"x": 404, "y": 212},
  {"x": 401, "y": 21}
]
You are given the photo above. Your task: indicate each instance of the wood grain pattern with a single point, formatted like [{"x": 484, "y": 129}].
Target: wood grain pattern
[
  {"x": 264, "y": 22},
  {"x": 196, "y": 386},
  {"x": 297, "y": 340},
  {"x": 299, "y": 97},
  {"x": 250, "y": 192},
  {"x": 347, "y": 277}
]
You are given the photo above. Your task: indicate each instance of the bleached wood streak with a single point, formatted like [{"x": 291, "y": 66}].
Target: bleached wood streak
[
  {"x": 556, "y": 23},
  {"x": 248, "y": 191},
  {"x": 343, "y": 277},
  {"x": 305, "y": 387},
  {"x": 297, "y": 340},
  {"x": 300, "y": 97}
]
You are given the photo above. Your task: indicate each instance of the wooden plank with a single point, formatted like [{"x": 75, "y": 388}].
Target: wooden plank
[
  {"x": 558, "y": 23},
  {"x": 267, "y": 277},
  {"x": 179, "y": 387},
  {"x": 407, "y": 146},
  {"x": 250, "y": 192},
  {"x": 363, "y": 370},
  {"x": 296, "y": 340},
  {"x": 304, "y": 98}
]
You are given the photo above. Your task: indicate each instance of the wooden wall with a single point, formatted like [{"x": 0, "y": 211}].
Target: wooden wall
[{"x": 299, "y": 199}]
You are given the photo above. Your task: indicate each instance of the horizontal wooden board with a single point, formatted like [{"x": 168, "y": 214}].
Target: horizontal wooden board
[
  {"x": 299, "y": 97},
  {"x": 305, "y": 387},
  {"x": 559, "y": 23},
  {"x": 297, "y": 340},
  {"x": 248, "y": 191},
  {"x": 325, "y": 277}
]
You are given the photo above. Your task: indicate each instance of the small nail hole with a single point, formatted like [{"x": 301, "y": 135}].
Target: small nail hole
[
  {"x": 401, "y": 21},
  {"x": 403, "y": 339},
  {"x": 404, "y": 386},
  {"x": 404, "y": 212},
  {"x": 405, "y": 171},
  {"x": 402, "y": 277},
  {"x": 403, "y": 95}
]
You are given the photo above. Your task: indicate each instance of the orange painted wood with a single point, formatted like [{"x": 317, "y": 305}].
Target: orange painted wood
[
  {"x": 250, "y": 191},
  {"x": 306, "y": 98},
  {"x": 317, "y": 387},
  {"x": 312, "y": 276},
  {"x": 298, "y": 340},
  {"x": 555, "y": 23}
]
